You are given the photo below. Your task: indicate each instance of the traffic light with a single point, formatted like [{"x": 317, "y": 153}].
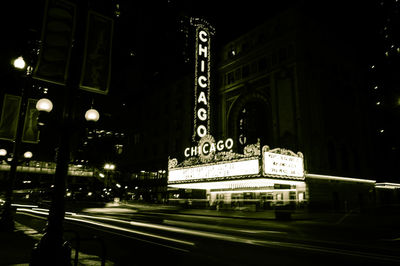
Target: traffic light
[{"x": 58, "y": 31}]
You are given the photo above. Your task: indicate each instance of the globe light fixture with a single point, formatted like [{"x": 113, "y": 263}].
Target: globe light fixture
[
  {"x": 19, "y": 63},
  {"x": 44, "y": 105},
  {"x": 28, "y": 155},
  {"x": 92, "y": 115},
  {"x": 3, "y": 152}
]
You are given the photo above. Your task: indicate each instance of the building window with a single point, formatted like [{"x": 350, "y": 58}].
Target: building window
[
  {"x": 282, "y": 55},
  {"x": 245, "y": 46},
  {"x": 274, "y": 59},
  {"x": 262, "y": 64},
  {"x": 254, "y": 67},
  {"x": 290, "y": 51},
  {"x": 230, "y": 78},
  {"x": 238, "y": 74},
  {"x": 136, "y": 139},
  {"x": 253, "y": 124},
  {"x": 246, "y": 71}
]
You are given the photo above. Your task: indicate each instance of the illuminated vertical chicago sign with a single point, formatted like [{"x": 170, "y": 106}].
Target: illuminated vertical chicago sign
[{"x": 204, "y": 31}]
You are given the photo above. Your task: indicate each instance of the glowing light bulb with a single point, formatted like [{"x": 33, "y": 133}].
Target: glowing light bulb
[
  {"x": 92, "y": 115},
  {"x": 19, "y": 63}
]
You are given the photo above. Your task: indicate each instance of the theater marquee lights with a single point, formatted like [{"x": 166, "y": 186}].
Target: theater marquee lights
[
  {"x": 249, "y": 185},
  {"x": 282, "y": 162},
  {"x": 202, "y": 83},
  {"x": 209, "y": 162},
  {"x": 237, "y": 168}
]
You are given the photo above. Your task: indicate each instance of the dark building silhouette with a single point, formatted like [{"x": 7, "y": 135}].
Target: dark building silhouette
[
  {"x": 383, "y": 88},
  {"x": 293, "y": 83}
]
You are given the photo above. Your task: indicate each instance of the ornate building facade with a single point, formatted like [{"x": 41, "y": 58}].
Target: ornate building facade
[{"x": 292, "y": 83}]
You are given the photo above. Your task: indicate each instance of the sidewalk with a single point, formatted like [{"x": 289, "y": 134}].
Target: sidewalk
[{"x": 16, "y": 247}]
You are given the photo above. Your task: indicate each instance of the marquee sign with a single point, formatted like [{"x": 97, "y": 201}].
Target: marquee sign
[
  {"x": 227, "y": 169},
  {"x": 209, "y": 161},
  {"x": 204, "y": 31},
  {"x": 282, "y": 162}
]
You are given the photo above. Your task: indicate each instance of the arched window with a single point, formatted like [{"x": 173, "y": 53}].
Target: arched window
[{"x": 254, "y": 122}]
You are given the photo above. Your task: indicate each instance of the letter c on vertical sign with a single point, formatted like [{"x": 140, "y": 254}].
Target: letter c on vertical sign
[
  {"x": 203, "y": 36},
  {"x": 202, "y": 81}
]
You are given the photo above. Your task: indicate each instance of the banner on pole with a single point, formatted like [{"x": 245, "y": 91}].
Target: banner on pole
[
  {"x": 30, "y": 133},
  {"x": 9, "y": 117},
  {"x": 58, "y": 32},
  {"x": 96, "y": 68}
]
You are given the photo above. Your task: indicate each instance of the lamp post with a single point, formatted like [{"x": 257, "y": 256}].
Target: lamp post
[
  {"x": 52, "y": 249},
  {"x": 7, "y": 215},
  {"x": 108, "y": 167}
]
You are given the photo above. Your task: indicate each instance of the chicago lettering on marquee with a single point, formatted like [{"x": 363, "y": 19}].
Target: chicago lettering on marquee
[
  {"x": 203, "y": 32},
  {"x": 209, "y": 146}
]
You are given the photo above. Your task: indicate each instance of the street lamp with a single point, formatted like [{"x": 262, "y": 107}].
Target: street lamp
[
  {"x": 28, "y": 155},
  {"x": 108, "y": 167},
  {"x": 19, "y": 63},
  {"x": 44, "y": 105},
  {"x": 92, "y": 115},
  {"x": 51, "y": 246},
  {"x": 3, "y": 152}
]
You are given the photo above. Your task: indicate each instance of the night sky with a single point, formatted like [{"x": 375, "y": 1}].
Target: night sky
[
  {"x": 146, "y": 32},
  {"x": 143, "y": 26},
  {"x": 146, "y": 43}
]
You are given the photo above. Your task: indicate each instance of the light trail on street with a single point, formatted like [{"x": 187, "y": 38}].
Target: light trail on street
[{"x": 186, "y": 236}]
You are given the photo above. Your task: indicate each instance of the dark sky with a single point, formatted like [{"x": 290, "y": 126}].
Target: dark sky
[{"x": 144, "y": 25}]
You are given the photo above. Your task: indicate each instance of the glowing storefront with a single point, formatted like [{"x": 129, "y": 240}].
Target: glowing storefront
[{"x": 255, "y": 179}]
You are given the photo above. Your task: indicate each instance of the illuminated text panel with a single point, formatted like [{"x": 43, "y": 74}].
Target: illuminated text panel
[{"x": 248, "y": 167}]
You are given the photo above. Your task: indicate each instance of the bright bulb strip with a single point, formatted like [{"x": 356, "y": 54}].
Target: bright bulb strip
[
  {"x": 252, "y": 191},
  {"x": 238, "y": 168},
  {"x": 238, "y": 184}
]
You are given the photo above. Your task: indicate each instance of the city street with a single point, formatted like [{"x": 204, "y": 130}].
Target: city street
[
  {"x": 200, "y": 133},
  {"x": 138, "y": 234}
]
